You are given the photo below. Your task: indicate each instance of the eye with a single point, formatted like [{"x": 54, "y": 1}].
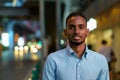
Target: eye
[
  {"x": 71, "y": 27},
  {"x": 82, "y": 26}
]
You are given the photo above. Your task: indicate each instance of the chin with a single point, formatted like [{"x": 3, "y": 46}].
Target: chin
[{"x": 76, "y": 43}]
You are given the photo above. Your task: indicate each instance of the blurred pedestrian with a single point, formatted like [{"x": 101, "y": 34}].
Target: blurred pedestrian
[
  {"x": 76, "y": 61},
  {"x": 109, "y": 54}
]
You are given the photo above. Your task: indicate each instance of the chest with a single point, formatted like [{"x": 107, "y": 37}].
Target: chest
[{"x": 74, "y": 69}]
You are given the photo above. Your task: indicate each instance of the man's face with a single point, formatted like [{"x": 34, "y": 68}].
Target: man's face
[{"x": 76, "y": 30}]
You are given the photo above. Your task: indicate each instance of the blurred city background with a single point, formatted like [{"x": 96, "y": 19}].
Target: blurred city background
[{"x": 31, "y": 29}]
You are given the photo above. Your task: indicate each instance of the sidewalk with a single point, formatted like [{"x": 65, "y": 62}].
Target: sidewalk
[{"x": 12, "y": 69}]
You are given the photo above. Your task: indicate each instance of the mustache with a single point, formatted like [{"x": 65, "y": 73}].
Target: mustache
[
  {"x": 77, "y": 35},
  {"x": 76, "y": 43}
]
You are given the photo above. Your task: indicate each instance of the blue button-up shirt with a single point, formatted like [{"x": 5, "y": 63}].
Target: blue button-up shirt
[{"x": 65, "y": 65}]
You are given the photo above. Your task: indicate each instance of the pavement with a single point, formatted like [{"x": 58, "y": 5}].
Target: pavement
[{"x": 17, "y": 68}]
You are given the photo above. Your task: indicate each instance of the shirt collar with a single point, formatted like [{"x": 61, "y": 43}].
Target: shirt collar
[{"x": 70, "y": 51}]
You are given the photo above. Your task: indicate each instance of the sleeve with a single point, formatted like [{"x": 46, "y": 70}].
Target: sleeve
[
  {"x": 104, "y": 74},
  {"x": 49, "y": 69}
]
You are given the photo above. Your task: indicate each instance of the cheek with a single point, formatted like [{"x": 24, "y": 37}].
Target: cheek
[
  {"x": 85, "y": 33},
  {"x": 68, "y": 33}
]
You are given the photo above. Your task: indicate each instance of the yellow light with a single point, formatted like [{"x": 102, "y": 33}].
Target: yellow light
[
  {"x": 16, "y": 48},
  {"x": 26, "y": 49},
  {"x": 14, "y": 2},
  {"x": 34, "y": 57}
]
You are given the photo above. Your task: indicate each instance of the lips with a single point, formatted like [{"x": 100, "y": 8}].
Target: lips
[{"x": 76, "y": 37}]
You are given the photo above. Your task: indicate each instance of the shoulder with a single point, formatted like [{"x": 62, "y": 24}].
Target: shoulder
[
  {"x": 97, "y": 56},
  {"x": 57, "y": 54},
  {"x": 98, "y": 59}
]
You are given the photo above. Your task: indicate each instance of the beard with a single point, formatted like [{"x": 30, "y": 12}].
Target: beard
[{"x": 76, "y": 43}]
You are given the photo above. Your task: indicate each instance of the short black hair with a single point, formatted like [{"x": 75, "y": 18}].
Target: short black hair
[
  {"x": 77, "y": 13},
  {"x": 104, "y": 42}
]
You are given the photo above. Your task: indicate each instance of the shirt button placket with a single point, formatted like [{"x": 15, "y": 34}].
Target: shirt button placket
[{"x": 78, "y": 70}]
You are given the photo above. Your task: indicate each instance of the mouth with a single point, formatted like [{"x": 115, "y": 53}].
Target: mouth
[{"x": 76, "y": 37}]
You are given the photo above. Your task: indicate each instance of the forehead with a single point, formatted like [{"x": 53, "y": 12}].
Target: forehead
[{"x": 78, "y": 19}]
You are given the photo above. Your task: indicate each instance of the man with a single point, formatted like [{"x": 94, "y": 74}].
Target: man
[
  {"x": 106, "y": 51},
  {"x": 76, "y": 61},
  {"x": 110, "y": 56}
]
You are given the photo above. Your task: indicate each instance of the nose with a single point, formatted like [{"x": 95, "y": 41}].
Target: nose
[{"x": 77, "y": 29}]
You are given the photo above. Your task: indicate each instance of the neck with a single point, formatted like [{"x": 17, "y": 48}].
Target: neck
[{"x": 79, "y": 49}]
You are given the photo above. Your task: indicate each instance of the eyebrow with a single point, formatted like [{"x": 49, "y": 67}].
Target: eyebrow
[
  {"x": 70, "y": 25},
  {"x": 78, "y": 25},
  {"x": 81, "y": 25}
]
